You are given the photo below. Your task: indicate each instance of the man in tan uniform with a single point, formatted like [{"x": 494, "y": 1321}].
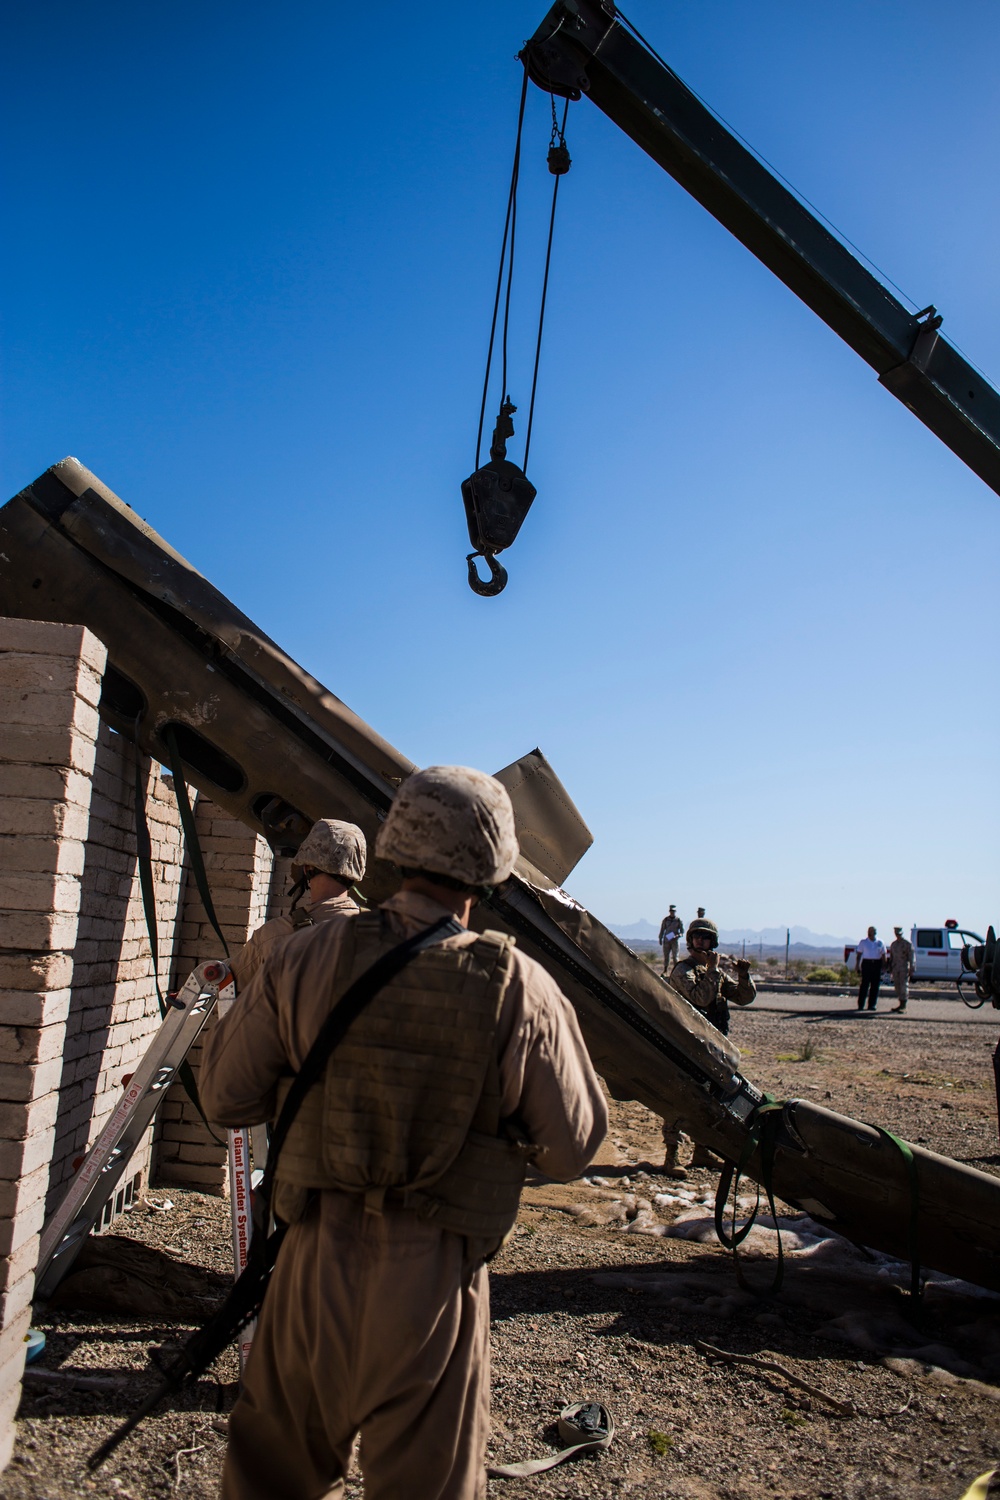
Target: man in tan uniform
[
  {"x": 902, "y": 966},
  {"x": 330, "y": 860},
  {"x": 709, "y": 987},
  {"x": 401, "y": 1172},
  {"x": 670, "y": 931}
]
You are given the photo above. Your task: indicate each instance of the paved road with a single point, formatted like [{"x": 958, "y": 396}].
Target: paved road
[{"x": 802, "y": 1003}]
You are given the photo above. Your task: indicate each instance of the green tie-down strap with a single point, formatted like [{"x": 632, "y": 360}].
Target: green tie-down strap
[
  {"x": 144, "y": 859},
  {"x": 762, "y": 1133},
  {"x": 191, "y": 834},
  {"x": 913, "y": 1233}
]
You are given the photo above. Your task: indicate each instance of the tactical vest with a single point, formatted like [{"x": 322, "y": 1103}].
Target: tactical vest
[{"x": 409, "y": 1104}]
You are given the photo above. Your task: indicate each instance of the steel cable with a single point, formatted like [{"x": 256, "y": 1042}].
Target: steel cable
[
  {"x": 545, "y": 283},
  {"x": 508, "y": 231}
]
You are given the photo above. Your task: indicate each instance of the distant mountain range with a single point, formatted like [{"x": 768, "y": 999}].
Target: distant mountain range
[{"x": 770, "y": 936}]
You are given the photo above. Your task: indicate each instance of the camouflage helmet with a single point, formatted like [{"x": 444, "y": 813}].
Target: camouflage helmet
[
  {"x": 451, "y": 821},
  {"x": 702, "y": 924},
  {"x": 336, "y": 848}
]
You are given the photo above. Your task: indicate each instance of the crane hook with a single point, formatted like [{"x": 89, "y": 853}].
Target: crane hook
[{"x": 498, "y": 575}]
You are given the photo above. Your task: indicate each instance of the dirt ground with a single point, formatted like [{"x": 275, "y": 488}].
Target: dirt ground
[{"x": 587, "y": 1306}]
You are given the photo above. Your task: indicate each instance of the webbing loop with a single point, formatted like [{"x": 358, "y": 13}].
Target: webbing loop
[
  {"x": 762, "y": 1133},
  {"x": 191, "y": 833},
  {"x": 144, "y": 860},
  {"x": 913, "y": 1228}
]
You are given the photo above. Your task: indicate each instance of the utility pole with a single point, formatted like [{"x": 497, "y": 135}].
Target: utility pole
[{"x": 788, "y": 939}]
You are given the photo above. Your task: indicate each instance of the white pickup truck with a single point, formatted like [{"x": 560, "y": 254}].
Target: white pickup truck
[{"x": 937, "y": 951}]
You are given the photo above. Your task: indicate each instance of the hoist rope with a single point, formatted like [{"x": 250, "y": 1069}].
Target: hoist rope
[
  {"x": 560, "y": 131},
  {"x": 507, "y": 249},
  {"x": 507, "y": 233}
]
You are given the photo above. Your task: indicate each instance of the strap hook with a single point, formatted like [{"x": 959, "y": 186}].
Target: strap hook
[{"x": 497, "y": 581}]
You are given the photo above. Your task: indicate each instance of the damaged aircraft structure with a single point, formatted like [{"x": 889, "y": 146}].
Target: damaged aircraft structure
[{"x": 276, "y": 749}]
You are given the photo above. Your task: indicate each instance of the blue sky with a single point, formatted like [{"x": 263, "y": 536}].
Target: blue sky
[{"x": 752, "y": 617}]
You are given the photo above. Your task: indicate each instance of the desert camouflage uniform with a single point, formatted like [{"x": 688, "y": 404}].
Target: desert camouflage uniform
[
  {"x": 711, "y": 990},
  {"x": 670, "y": 931},
  {"x": 901, "y": 964},
  {"x": 708, "y": 990},
  {"x": 263, "y": 942},
  {"x": 379, "y": 1321},
  {"x": 332, "y": 847}
]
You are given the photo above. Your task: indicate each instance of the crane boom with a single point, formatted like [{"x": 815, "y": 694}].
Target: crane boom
[{"x": 583, "y": 46}]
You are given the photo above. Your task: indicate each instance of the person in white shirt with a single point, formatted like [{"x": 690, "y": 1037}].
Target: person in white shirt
[{"x": 869, "y": 958}]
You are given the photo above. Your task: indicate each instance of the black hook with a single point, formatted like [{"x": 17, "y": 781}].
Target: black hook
[{"x": 498, "y": 575}]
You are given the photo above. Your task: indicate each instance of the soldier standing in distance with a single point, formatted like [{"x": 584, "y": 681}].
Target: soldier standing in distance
[
  {"x": 670, "y": 930},
  {"x": 402, "y": 1172},
  {"x": 703, "y": 981},
  {"x": 331, "y": 858},
  {"x": 902, "y": 967}
]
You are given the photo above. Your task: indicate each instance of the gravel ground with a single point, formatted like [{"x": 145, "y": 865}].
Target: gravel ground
[{"x": 688, "y": 1424}]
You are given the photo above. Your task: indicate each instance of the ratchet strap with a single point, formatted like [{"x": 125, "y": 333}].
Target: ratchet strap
[
  {"x": 584, "y": 1427},
  {"x": 762, "y": 1133},
  {"x": 763, "y": 1130}
]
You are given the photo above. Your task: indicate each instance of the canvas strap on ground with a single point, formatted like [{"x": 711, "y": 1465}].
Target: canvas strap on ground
[{"x": 584, "y": 1426}]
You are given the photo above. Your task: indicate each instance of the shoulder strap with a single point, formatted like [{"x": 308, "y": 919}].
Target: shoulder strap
[{"x": 331, "y": 1033}]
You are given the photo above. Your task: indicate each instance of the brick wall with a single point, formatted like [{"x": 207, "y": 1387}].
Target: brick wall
[
  {"x": 114, "y": 1011},
  {"x": 50, "y": 684},
  {"x": 238, "y": 864},
  {"x": 78, "y": 1005},
  {"x": 279, "y": 901}
]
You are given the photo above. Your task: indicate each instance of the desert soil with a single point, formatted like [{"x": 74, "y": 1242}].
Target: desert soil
[{"x": 580, "y": 1312}]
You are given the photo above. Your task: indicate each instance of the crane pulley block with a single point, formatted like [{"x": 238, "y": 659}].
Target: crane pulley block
[{"x": 497, "y": 498}]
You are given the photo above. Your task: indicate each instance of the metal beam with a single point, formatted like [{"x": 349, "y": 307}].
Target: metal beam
[{"x": 583, "y": 46}]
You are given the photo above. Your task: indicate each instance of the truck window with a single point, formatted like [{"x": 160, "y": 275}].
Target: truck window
[
  {"x": 957, "y": 940},
  {"x": 929, "y": 937}
]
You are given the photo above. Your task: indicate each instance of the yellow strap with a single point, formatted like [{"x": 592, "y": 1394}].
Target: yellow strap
[{"x": 979, "y": 1488}]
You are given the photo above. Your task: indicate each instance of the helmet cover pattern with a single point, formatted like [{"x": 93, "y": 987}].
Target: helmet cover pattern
[
  {"x": 336, "y": 848},
  {"x": 453, "y": 821},
  {"x": 702, "y": 924}
]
